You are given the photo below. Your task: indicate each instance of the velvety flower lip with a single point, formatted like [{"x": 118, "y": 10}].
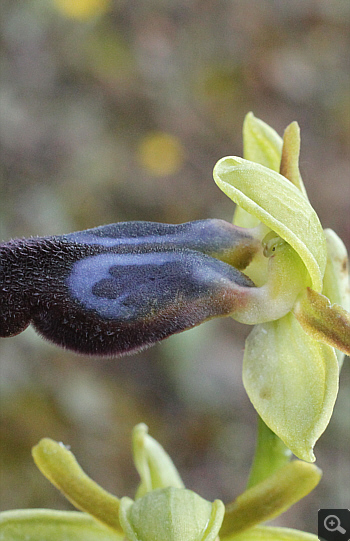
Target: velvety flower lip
[{"x": 118, "y": 288}]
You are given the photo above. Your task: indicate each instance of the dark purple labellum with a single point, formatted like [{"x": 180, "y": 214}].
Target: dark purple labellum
[{"x": 117, "y": 288}]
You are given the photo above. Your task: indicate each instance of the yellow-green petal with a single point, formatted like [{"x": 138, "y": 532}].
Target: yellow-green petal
[
  {"x": 292, "y": 382},
  {"x": 271, "y": 497},
  {"x": 326, "y": 317},
  {"x": 49, "y": 525},
  {"x": 270, "y": 533},
  {"x": 60, "y": 467},
  {"x": 277, "y": 203},
  {"x": 289, "y": 167},
  {"x": 171, "y": 514},
  {"x": 323, "y": 321},
  {"x": 154, "y": 465}
]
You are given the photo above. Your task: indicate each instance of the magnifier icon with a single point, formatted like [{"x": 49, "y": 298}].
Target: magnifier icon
[{"x": 332, "y": 524}]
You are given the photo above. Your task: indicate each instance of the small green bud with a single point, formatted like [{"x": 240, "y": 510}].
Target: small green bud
[{"x": 171, "y": 514}]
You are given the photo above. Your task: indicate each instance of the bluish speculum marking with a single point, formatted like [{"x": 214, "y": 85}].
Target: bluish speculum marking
[
  {"x": 129, "y": 286},
  {"x": 106, "y": 282}
]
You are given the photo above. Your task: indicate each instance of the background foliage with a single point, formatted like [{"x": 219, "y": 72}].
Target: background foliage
[{"x": 118, "y": 110}]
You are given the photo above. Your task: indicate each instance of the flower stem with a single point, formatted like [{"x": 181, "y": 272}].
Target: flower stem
[{"x": 270, "y": 454}]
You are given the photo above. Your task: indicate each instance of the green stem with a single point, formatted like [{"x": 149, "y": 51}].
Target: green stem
[{"x": 270, "y": 454}]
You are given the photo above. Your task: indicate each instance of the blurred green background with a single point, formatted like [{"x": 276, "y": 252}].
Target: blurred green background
[{"x": 116, "y": 111}]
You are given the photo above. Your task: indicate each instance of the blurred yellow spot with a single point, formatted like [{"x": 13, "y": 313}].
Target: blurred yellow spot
[
  {"x": 82, "y": 9},
  {"x": 161, "y": 153}
]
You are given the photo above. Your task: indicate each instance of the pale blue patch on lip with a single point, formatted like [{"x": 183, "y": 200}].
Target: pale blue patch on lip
[
  {"x": 126, "y": 287},
  {"x": 87, "y": 272}
]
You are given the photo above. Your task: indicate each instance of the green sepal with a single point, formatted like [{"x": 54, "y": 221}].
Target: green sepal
[
  {"x": 48, "y": 525},
  {"x": 336, "y": 281},
  {"x": 261, "y": 144},
  {"x": 270, "y": 533},
  {"x": 171, "y": 514},
  {"x": 61, "y": 468},
  {"x": 271, "y": 497},
  {"x": 279, "y": 205},
  {"x": 292, "y": 382},
  {"x": 153, "y": 464}
]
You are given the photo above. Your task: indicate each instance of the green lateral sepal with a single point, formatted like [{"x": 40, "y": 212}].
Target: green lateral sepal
[
  {"x": 270, "y": 498},
  {"x": 61, "y": 468},
  {"x": 49, "y": 525}
]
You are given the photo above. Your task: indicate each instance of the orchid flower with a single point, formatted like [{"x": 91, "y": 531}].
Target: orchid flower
[
  {"x": 163, "y": 509},
  {"x": 290, "y": 366},
  {"x": 118, "y": 288}
]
